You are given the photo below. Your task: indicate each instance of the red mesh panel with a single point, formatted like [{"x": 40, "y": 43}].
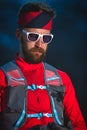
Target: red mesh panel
[{"x": 15, "y": 78}]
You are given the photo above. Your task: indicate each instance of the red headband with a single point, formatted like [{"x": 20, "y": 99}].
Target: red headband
[{"x": 38, "y": 19}]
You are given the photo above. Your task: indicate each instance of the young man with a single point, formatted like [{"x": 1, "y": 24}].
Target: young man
[{"x": 35, "y": 95}]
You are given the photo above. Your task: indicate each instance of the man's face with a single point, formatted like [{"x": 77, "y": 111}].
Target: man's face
[{"x": 33, "y": 51}]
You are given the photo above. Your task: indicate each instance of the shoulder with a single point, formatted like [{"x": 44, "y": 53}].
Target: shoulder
[
  {"x": 64, "y": 76},
  {"x": 3, "y": 80},
  {"x": 67, "y": 81},
  {"x": 1, "y": 73}
]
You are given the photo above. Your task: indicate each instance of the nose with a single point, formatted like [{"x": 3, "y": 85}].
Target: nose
[{"x": 39, "y": 42}]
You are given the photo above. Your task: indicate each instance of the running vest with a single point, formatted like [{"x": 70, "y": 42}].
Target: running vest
[{"x": 14, "y": 115}]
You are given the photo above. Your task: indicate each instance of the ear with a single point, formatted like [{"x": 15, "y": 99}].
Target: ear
[{"x": 18, "y": 33}]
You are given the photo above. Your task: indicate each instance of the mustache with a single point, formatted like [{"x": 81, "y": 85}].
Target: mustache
[{"x": 41, "y": 50}]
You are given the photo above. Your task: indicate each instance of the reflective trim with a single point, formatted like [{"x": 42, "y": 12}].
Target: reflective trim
[
  {"x": 16, "y": 79},
  {"x": 52, "y": 78},
  {"x": 34, "y": 87},
  {"x": 39, "y": 115},
  {"x": 20, "y": 118},
  {"x": 55, "y": 112}
]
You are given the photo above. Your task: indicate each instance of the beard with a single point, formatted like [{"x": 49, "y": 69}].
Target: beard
[{"x": 34, "y": 55}]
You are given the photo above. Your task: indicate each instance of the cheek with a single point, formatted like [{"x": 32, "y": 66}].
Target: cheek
[
  {"x": 24, "y": 41},
  {"x": 27, "y": 45},
  {"x": 45, "y": 47}
]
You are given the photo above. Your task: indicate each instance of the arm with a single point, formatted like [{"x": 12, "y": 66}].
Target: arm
[
  {"x": 71, "y": 106},
  {"x": 3, "y": 84}
]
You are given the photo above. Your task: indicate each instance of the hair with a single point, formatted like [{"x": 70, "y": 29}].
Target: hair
[{"x": 37, "y": 6}]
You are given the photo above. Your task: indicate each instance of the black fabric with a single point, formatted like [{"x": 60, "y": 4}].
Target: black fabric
[
  {"x": 53, "y": 126},
  {"x": 38, "y": 22},
  {"x": 1, "y": 122},
  {"x": 57, "y": 94},
  {"x": 14, "y": 107},
  {"x": 50, "y": 126},
  {"x": 37, "y": 127}
]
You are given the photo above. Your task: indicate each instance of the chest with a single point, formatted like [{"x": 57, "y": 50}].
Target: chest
[
  {"x": 35, "y": 77},
  {"x": 38, "y": 101}
]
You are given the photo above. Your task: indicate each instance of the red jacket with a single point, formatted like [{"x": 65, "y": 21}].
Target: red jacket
[{"x": 39, "y": 100}]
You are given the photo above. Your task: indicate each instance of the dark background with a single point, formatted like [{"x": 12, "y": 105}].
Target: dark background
[{"x": 68, "y": 49}]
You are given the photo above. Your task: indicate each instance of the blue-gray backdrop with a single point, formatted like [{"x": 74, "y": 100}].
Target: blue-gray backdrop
[{"x": 68, "y": 49}]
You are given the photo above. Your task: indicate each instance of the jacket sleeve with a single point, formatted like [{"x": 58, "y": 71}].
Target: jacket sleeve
[
  {"x": 3, "y": 84},
  {"x": 71, "y": 106}
]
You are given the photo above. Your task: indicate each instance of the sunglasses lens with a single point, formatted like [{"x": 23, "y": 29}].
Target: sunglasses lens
[
  {"x": 33, "y": 37},
  {"x": 47, "y": 38}
]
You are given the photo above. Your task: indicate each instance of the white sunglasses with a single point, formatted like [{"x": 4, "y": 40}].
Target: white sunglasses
[{"x": 32, "y": 36}]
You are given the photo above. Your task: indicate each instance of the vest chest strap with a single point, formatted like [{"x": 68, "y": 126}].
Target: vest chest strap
[
  {"x": 34, "y": 87},
  {"x": 39, "y": 115}
]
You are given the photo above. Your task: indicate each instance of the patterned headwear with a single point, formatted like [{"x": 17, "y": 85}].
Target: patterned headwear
[{"x": 39, "y": 19}]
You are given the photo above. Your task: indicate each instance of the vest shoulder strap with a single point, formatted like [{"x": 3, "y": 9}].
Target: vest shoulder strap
[
  {"x": 52, "y": 76},
  {"x": 56, "y": 92},
  {"x": 13, "y": 74}
]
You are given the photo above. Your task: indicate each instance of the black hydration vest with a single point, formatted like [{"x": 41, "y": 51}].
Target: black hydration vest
[{"x": 15, "y": 115}]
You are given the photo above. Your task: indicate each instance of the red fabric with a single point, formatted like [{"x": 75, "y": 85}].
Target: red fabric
[
  {"x": 26, "y": 18},
  {"x": 38, "y": 100},
  {"x": 48, "y": 25}
]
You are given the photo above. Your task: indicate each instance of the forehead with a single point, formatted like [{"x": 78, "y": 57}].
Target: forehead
[{"x": 37, "y": 30}]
